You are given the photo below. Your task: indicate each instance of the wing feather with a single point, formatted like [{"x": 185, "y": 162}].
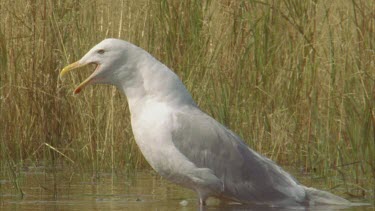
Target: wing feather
[{"x": 246, "y": 175}]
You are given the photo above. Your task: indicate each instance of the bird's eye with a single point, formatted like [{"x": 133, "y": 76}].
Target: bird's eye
[{"x": 101, "y": 51}]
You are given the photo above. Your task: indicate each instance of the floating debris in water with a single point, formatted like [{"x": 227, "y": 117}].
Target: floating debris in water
[{"x": 184, "y": 203}]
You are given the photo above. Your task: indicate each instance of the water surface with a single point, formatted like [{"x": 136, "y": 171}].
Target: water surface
[{"x": 142, "y": 190}]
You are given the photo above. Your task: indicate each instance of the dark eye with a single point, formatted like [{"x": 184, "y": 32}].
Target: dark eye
[{"x": 101, "y": 51}]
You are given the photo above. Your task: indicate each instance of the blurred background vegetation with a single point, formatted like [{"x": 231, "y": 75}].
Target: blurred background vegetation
[{"x": 294, "y": 78}]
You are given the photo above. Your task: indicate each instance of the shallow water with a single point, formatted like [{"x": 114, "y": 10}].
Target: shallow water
[{"x": 140, "y": 191}]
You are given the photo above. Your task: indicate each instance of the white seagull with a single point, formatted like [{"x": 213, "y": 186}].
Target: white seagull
[{"x": 184, "y": 144}]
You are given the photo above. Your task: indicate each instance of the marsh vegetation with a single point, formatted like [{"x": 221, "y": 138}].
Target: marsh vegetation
[{"x": 295, "y": 79}]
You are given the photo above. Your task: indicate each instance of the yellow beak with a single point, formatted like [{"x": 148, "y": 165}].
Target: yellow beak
[{"x": 73, "y": 66}]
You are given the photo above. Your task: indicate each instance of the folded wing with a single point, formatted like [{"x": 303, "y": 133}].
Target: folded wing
[{"x": 247, "y": 177}]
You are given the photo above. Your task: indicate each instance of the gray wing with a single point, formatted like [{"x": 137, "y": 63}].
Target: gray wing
[{"x": 246, "y": 175}]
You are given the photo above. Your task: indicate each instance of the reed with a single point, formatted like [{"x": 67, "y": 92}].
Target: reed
[{"x": 294, "y": 78}]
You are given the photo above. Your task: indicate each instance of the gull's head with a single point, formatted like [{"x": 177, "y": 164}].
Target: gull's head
[{"x": 109, "y": 56}]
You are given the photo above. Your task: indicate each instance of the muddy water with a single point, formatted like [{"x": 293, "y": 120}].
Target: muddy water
[{"x": 139, "y": 191}]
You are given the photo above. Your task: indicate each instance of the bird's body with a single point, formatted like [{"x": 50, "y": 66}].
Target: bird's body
[
  {"x": 184, "y": 144},
  {"x": 197, "y": 152}
]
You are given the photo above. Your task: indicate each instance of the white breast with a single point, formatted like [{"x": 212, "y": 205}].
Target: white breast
[{"x": 152, "y": 127}]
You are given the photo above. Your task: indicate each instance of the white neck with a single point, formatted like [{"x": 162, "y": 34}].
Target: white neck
[{"x": 149, "y": 78}]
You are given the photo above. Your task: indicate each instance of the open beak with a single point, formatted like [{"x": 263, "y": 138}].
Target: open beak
[{"x": 76, "y": 65}]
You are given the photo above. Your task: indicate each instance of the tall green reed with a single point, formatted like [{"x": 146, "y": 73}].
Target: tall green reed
[{"x": 294, "y": 78}]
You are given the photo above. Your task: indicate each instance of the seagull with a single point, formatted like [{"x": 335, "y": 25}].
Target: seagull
[{"x": 184, "y": 144}]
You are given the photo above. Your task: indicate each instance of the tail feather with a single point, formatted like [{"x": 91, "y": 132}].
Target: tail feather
[{"x": 317, "y": 197}]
